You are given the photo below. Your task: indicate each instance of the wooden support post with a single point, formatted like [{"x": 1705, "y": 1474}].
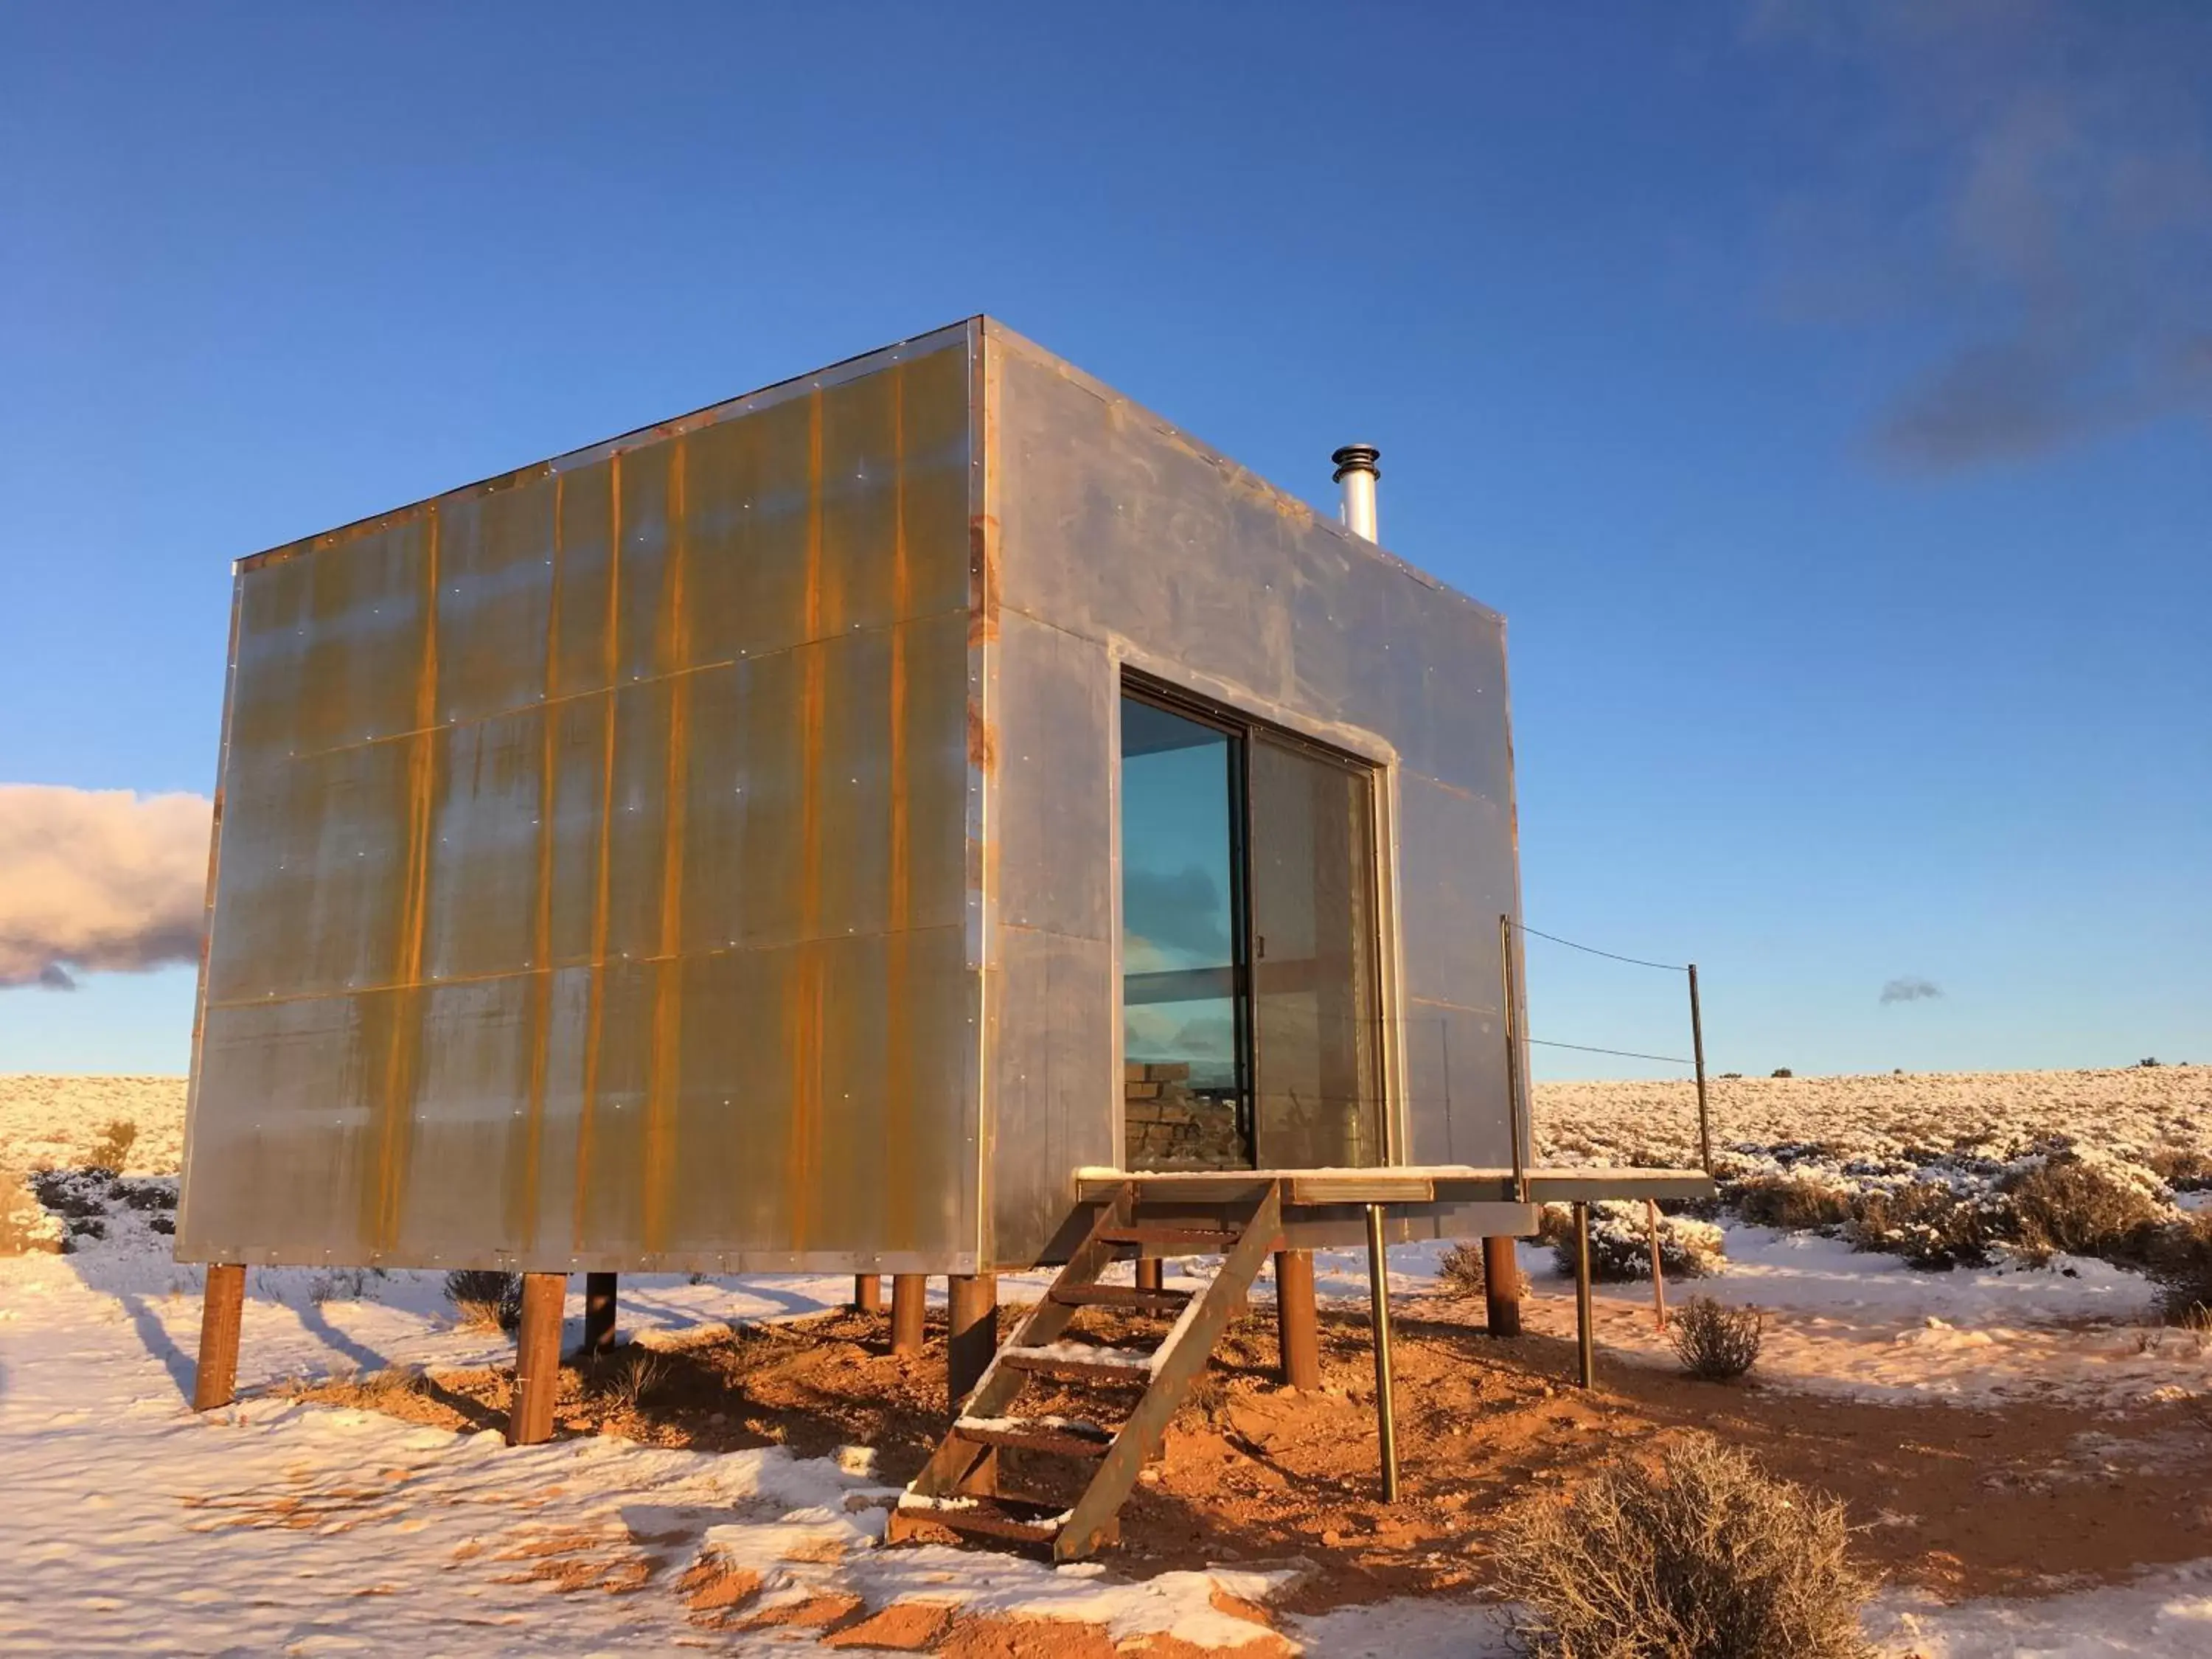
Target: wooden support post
[
  {"x": 909, "y": 1292},
  {"x": 1501, "y": 1286},
  {"x": 599, "y": 1315},
  {"x": 221, "y": 1304},
  {"x": 868, "y": 1293},
  {"x": 973, "y": 1302},
  {"x": 536, "y": 1359},
  {"x": 1297, "y": 1323},
  {"x": 1386, "y": 1405},
  {"x": 1151, "y": 1274},
  {"x": 1585, "y": 1339}
]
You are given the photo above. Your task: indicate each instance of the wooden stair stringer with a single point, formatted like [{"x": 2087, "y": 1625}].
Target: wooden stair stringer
[
  {"x": 1176, "y": 1365},
  {"x": 950, "y": 1467},
  {"x": 954, "y": 1487}
]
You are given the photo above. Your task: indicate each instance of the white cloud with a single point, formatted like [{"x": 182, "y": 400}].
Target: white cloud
[{"x": 96, "y": 880}]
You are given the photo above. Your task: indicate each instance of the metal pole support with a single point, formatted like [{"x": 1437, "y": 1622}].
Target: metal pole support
[
  {"x": 867, "y": 1293},
  {"x": 909, "y": 1291},
  {"x": 1151, "y": 1274},
  {"x": 1501, "y": 1286},
  {"x": 1378, "y": 1293},
  {"x": 1585, "y": 1340},
  {"x": 536, "y": 1359},
  {"x": 222, "y": 1304},
  {"x": 1508, "y": 1003},
  {"x": 1297, "y": 1320},
  {"x": 1658, "y": 1268}
]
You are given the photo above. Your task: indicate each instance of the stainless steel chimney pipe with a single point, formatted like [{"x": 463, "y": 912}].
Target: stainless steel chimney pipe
[{"x": 1356, "y": 471}]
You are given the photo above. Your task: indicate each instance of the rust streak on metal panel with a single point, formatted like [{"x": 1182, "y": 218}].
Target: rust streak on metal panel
[
  {"x": 404, "y": 1041},
  {"x": 982, "y": 741},
  {"x": 898, "y": 1060},
  {"x": 522, "y": 1229},
  {"x": 804, "y": 1023},
  {"x": 668, "y": 976},
  {"x": 595, "y": 1013},
  {"x": 984, "y": 570}
]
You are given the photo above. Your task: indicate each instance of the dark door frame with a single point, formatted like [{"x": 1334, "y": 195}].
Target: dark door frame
[{"x": 1242, "y": 729}]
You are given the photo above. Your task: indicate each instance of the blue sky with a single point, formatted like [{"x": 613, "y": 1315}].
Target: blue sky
[{"x": 1823, "y": 394}]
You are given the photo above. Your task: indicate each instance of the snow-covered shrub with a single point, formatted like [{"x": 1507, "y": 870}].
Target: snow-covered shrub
[
  {"x": 1706, "y": 1555},
  {"x": 147, "y": 1192},
  {"x": 485, "y": 1299},
  {"x": 76, "y": 1194},
  {"x": 1792, "y": 1203},
  {"x": 1621, "y": 1242},
  {"x": 2180, "y": 1255},
  {"x": 2070, "y": 1205},
  {"x": 1715, "y": 1343},
  {"x": 1929, "y": 1223}
]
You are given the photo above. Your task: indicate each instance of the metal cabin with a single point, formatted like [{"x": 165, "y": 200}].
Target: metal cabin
[{"x": 881, "y": 824}]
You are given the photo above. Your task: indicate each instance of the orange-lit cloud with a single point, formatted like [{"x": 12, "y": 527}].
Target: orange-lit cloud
[{"x": 97, "y": 880}]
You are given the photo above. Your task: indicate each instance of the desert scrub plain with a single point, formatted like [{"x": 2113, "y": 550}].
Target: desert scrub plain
[{"x": 1963, "y": 1340}]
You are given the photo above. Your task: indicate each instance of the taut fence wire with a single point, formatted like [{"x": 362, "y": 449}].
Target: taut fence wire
[{"x": 1507, "y": 925}]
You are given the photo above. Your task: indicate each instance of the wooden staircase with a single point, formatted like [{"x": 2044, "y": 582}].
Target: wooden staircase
[{"x": 958, "y": 1488}]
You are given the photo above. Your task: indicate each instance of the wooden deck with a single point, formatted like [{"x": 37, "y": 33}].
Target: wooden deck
[{"x": 1417, "y": 1184}]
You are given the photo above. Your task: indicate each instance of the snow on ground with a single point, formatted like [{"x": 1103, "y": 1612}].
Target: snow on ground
[
  {"x": 2167, "y": 1613},
  {"x": 133, "y": 1525},
  {"x": 278, "y": 1526},
  {"x": 1842, "y": 1324}
]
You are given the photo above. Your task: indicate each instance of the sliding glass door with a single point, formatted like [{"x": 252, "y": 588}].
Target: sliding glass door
[
  {"x": 1185, "y": 1007},
  {"x": 1315, "y": 1019},
  {"x": 1250, "y": 1002}
]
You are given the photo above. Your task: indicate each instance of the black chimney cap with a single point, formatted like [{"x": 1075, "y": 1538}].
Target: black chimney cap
[{"x": 1356, "y": 457}]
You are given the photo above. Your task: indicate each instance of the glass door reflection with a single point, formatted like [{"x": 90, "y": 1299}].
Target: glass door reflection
[{"x": 1185, "y": 1001}]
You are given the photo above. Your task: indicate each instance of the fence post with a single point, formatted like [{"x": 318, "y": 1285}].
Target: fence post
[
  {"x": 1698, "y": 1049},
  {"x": 1658, "y": 1273}
]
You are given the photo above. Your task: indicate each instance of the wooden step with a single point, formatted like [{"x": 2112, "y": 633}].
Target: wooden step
[
  {"x": 1120, "y": 1296},
  {"x": 1118, "y": 1364},
  {"x": 1055, "y": 1435},
  {"x": 1017, "y": 1518},
  {"x": 1206, "y": 1240},
  {"x": 1042, "y": 1346}
]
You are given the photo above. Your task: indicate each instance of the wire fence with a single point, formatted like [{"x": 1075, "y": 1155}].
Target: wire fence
[{"x": 1697, "y": 1063}]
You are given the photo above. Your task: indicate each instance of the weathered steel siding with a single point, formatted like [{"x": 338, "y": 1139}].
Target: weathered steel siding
[
  {"x": 593, "y": 887},
  {"x": 1124, "y": 541}
]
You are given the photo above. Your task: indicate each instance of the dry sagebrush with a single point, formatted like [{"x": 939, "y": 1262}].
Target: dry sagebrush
[
  {"x": 2069, "y": 1205},
  {"x": 1715, "y": 1343},
  {"x": 2181, "y": 1264},
  {"x": 1462, "y": 1271},
  {"x": 486, "y": 1300},
  {"x": 1706, "y": 1556}
]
